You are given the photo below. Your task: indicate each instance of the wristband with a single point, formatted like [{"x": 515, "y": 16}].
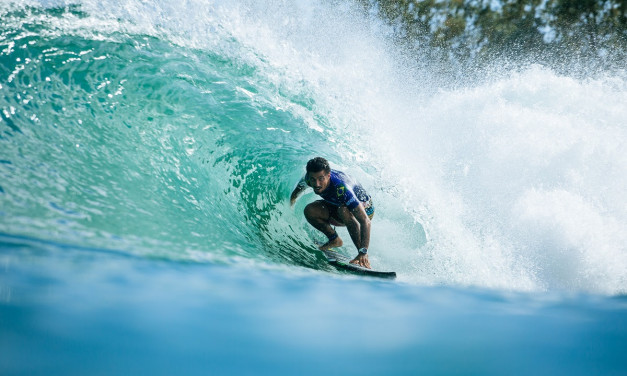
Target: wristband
[{"x": 363, "y": 251}]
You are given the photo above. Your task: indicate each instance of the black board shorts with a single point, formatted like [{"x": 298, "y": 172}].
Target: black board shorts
[{"x": 368, "y": 206}]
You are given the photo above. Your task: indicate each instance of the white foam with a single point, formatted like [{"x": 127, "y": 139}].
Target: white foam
[{"x": 527, "y": 177}]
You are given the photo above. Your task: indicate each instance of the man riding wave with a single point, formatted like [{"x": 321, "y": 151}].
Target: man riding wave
[{"x": 344, "y": 203}]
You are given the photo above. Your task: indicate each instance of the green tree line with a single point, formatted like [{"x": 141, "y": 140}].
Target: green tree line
[{"x": 550, "y": 30}]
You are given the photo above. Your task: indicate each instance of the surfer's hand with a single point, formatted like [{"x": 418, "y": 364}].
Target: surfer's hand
[{"x": 362, "y": 260}]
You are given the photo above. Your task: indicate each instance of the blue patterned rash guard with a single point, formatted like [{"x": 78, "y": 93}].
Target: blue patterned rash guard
[{"x": 342, "y": 190}]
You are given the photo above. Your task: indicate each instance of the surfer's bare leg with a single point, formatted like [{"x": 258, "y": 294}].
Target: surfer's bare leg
[{"x": 318, "y": 215}]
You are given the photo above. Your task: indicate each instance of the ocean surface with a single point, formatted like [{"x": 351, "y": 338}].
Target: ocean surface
[{"x": 148, "y": 150}]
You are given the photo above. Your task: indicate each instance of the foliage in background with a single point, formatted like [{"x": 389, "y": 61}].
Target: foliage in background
[{"x": 544, "y": 31}]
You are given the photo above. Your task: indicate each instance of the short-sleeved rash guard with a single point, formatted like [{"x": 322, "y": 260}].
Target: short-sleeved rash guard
[{"x": 342, "y": 190}]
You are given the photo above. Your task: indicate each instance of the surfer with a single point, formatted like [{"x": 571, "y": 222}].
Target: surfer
[{"x": 344, "y": 203}]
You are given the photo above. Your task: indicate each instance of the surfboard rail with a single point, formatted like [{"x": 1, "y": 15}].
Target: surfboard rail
[{"x": 342, "y": 262}]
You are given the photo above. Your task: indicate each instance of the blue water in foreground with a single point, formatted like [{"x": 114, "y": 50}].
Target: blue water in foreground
[
  {"x": 74, "y": 311},
  {"x": 148, "y": 150}
]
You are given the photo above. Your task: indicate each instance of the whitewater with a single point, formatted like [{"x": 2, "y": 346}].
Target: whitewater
[{"x": 147, "y": 154}]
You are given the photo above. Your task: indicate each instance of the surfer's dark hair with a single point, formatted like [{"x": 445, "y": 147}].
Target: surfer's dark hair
[{"x": 318, "y": 164}]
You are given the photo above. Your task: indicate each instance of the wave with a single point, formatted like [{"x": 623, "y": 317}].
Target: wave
[{"x": 179, "y": 132}]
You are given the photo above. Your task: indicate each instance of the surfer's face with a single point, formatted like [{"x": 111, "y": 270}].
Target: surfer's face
[{"x": 319, "y": 181}]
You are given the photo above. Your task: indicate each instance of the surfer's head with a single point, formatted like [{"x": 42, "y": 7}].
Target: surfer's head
[
  {"x": 319, "y": 174},
  {"x": 318, "y": 164}
]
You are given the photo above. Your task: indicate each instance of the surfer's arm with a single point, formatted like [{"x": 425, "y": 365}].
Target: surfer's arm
[
  {"x": 364, "y": 225},
  {"x": 364, "y": 236},
  {"x": 295, "y": 193},
  {"x": 300, "y": 187}
]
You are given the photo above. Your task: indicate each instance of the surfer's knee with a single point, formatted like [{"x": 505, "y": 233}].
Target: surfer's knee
[{"x": 315, "y": 210}]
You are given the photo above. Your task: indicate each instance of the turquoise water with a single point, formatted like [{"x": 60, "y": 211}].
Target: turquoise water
[{"x": 148, "y": 150}]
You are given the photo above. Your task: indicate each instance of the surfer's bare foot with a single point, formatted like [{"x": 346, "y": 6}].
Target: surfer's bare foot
[
  {"x": 362, "y": 260},
  {"x": 337, "y": 242}
]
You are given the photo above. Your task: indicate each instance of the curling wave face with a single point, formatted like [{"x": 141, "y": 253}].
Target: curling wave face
[{"x": 178, "y": 132}]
